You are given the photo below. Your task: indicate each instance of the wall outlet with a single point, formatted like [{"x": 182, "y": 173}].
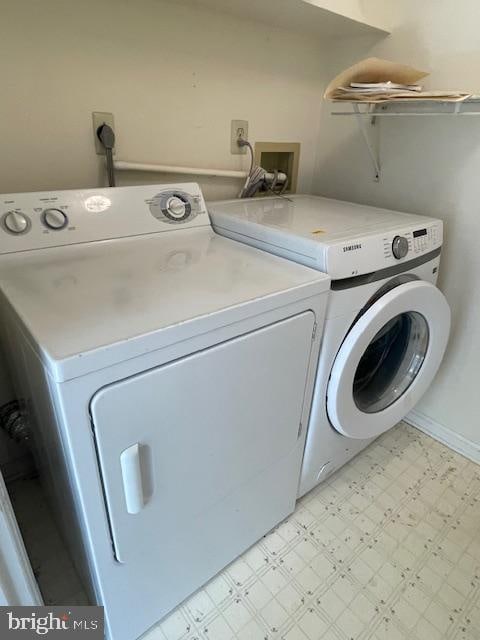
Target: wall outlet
[
  {"x": 99, "y": 118},
  {"x": 238, "y": 129}
]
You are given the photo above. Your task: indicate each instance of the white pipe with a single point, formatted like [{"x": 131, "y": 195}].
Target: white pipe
[{"x": 121, "y": 165}]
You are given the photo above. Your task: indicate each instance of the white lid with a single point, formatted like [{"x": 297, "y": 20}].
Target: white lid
[
  {"x": 90, "y": 305},
  {"x": 316, "y": 229}
]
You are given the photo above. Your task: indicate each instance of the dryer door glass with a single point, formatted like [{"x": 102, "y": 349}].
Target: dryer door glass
[
  {"x": 391, "y": 362},
  {"x": 388, "y": 359}
]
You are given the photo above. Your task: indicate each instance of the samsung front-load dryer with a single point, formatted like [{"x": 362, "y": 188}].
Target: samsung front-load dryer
[
  {"x": 387, "y": 324},
  {"x": 168, "y": 374}
]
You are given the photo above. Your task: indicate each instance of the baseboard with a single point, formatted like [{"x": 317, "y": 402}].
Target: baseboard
[{"x": 441, "y": 433}]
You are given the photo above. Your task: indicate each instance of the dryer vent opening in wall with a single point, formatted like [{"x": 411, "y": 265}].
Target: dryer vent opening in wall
[{"x": 279, "y": 156}]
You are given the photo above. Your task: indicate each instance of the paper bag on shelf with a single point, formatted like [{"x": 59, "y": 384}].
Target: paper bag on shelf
[{"x": 374, "y": 70}]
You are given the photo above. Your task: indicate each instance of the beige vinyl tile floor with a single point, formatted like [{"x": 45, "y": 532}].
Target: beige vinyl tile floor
[{"x": 387, "y": 549}]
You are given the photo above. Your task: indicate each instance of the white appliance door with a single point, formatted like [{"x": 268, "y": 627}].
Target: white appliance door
[
  {"x": 201, "y": 457},
  {"x": 388, "y": 360}
]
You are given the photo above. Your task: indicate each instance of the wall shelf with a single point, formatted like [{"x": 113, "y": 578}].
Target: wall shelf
[
  {"x": 366, "y": 115},
  {"x": 313, "y": 17}
]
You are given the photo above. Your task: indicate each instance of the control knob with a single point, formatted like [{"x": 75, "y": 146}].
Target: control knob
[
  {"x": 399, "y": 247},
  {"x": 54, "y": 219},
  {"x": 176, "y": 208},
  {"x": 16, "y": 222}
]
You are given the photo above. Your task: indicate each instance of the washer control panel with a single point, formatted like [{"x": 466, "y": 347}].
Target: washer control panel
[
  {"x": 411, "y": 243},
  {"x": 40, "y": 220},
  {"x": 372, "y": 252},
  {"x": 423, "y": 238}
]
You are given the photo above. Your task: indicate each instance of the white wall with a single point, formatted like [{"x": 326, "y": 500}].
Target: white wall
[
  {"x": 429, "y": 166},
  {"x": 174, "y": 77}
]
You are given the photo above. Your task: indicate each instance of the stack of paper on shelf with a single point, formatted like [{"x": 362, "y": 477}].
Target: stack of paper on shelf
[{"x": 376, "y": 80}]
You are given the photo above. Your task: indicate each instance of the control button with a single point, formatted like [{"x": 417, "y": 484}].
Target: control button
[
  {"x": 54, "y": 219},
  {"x": 176, "y": 207},
  {"x": 172, "y": 207},
  {"x": 16, "y": 222},
  {"x": 399, "y": 247}
]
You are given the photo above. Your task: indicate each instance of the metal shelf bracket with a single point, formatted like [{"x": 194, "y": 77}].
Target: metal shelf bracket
[
  {"x": 366, "y": 117},
  {"x": 365, "y": 128}
]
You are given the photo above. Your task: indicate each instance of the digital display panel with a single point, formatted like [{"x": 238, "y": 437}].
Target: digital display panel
[{"x": 420, "y": 232}]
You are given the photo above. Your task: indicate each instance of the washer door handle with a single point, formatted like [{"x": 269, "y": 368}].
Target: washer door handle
[{"x": 132, "y": 478}]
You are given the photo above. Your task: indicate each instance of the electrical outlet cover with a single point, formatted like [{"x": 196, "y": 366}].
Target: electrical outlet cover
[
  {"x": 99, "y": 118},
  {"x": 238, "y": 128}
]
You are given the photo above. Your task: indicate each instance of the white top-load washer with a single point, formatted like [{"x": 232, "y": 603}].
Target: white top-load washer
[
  {"x": 387, "y": 324},
  {"x": 168, "y": 374}
]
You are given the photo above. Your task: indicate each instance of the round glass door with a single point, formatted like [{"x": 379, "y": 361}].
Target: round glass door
[
  {"x": 391, "y": 362},
  {"x": 388, "y": 360}
]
